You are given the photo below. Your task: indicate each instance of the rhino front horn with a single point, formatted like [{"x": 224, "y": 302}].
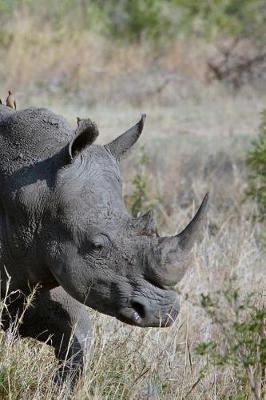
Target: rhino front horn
[
  {"x": 122, "y": 144},
  {"x": 175, "y": 249},
  {"x": 191, "y": 233}
]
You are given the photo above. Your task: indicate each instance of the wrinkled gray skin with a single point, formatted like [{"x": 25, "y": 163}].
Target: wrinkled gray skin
[{"x": 65, "y": 228}]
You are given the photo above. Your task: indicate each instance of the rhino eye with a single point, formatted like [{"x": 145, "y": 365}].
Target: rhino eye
[
  {"x": 97, "y": 245},
  {"x": 100, "y": 242}
]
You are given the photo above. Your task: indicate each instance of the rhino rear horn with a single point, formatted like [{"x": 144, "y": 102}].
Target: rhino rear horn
[
  {"x": 122, "y": 144},
  {"x": 146, "y": 224}
]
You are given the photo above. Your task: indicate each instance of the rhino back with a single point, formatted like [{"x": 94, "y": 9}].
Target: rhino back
[{"x": 29, "y": 137}]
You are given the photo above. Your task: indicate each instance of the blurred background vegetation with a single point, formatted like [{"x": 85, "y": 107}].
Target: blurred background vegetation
[
  {"x": 235, "y": 28},
  {"x": 153, "y": 19}
]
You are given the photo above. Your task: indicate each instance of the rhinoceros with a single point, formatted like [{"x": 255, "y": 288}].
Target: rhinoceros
[{"x": 66, "y": 230}]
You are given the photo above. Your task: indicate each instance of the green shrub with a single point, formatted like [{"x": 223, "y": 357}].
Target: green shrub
[
  {"x": 240, "y": 343},
  {"x": 227, "y": 18},
  {"x": 154, "y": 20},
  {"x": 139, "y": 199},
  {"x": 257, "y": 163},
  {"x": 135, "y": 20}
]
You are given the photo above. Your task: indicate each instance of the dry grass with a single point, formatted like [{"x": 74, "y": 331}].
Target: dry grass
[
  {"x": 196, "y": 136},
  {"x": 61, "y": 63}
]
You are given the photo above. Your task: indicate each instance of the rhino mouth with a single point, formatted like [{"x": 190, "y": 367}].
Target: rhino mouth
[
  {"x": 130, "y": 316},
  {"x": 139, "y": 314}
]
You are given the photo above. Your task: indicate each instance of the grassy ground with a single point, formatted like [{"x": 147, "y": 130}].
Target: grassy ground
[{"x": 196, "y": 137}]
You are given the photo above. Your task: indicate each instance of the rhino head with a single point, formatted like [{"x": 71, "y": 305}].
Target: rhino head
[{"x": 97, "y": 251}]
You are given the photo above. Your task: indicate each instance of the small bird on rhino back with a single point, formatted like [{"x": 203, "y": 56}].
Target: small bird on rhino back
[{"x": 11, "y": 101}]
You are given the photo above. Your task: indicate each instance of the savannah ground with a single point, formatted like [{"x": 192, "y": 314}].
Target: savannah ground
[{"x": 195, "y": 140}]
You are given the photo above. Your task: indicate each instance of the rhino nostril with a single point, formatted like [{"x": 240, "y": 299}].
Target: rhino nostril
[{"x": 139, "y": 308}]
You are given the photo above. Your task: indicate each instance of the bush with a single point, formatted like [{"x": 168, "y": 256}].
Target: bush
[
  {"x": 154, "y": 20},
  {"x": 136, "y": 20},
  {"x": 257, "y": 163},
  {"x": 139, "y": 200},
  {"x": 238, "y": 30},
  {"x": 241, "y": 344},
  {"x": 229, "y": 18}
]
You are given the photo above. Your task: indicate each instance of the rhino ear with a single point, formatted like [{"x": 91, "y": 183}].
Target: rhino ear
[
  {"x": 85, "y": 135},
  {"x": 122, "y": 144}
]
